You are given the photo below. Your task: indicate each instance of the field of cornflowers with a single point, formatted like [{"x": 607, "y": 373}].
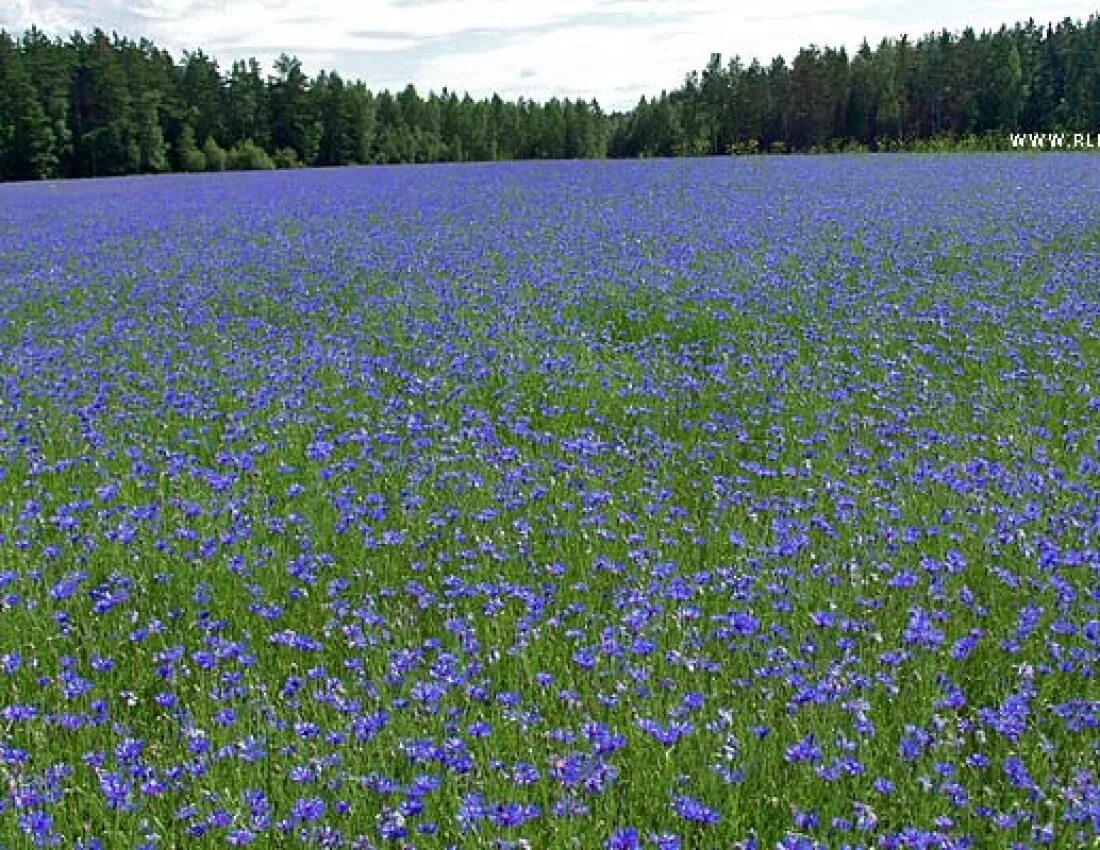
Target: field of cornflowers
[{"x": 709, "y": 504}]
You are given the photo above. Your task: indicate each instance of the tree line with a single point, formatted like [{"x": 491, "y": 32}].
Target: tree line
[
  {"x": 98, "y": 104},
  {"x": 949, "y": 88}
]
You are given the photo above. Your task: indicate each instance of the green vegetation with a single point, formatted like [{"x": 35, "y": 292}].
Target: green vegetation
[{"x": 97, "y": 105}]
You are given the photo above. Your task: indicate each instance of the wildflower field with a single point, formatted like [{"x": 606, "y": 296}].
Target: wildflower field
[{"x": 673, "y": 504}]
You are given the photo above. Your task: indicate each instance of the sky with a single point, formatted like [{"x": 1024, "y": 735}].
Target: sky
[{"x": 612, "y": 50}]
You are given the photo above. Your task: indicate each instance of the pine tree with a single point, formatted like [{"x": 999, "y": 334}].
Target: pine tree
[{"x": 27, "y": 142}]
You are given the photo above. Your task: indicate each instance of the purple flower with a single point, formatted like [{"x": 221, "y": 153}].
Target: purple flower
[
  {"x": 308, "y": 809},
  {"x": 626, "y": 838},
  {"x": 38, "y": 825},
  {"x": 117, "y": 791},
  {"x": 805, "y": 750},
  {"x": 921, "y": 630},
  {"x": 694, "y": 811}
]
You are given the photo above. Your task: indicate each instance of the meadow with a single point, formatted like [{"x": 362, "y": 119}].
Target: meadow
[{"x": 719, "y": 503}]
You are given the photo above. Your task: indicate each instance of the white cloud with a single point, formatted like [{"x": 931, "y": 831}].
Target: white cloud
[{"x": 614, "y": 50}]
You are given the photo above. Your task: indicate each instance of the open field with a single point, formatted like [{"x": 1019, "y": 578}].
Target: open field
[{"x": 640, "y": 504}]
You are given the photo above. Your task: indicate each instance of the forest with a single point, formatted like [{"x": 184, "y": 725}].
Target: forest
[{"x": 99, "y": 104}]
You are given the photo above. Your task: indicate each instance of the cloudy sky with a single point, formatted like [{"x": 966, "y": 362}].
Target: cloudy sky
[{"x": 614, "y": 50}]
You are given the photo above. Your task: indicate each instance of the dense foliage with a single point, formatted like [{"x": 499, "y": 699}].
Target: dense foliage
[
  {"x": 104, "y": 105},
  {"x": 553, "y": 505},
  {"x": 943, "y": 86}
]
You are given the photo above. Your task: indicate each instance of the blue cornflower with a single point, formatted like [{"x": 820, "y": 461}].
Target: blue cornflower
[
  {"x": 391, "y": 826},
  {"x": 805, "y": 750},
  {"x": 694, "y": 811},
  {"x": 806, "y": 820},
  {"x": 18, "y": 713},
  {"x": 256, "y": 801},
  {"x": 118, "y": 792},
  {"x": 308, "y": 809},
  {"x": 921, "y": 630},
  {"x": 302, "y": 773},
  {"x": 794, "y": 841},
  {"x": 515, "y": 814},
  {"x": 38, "y": 825},
  {"x": 471, "y": 810},
  {"x": 129, "y": 750},
  {"x": 883, "y": 786},
  {"x": 525, "y": 774},
  {"x": 624, "y": 839},
  {"x": 219, "y": 819}
]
